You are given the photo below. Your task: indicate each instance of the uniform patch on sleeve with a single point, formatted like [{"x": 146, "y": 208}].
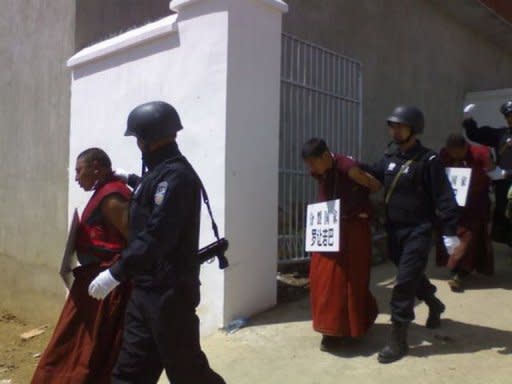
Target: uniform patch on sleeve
[
  {"x": 391, "y": 166},
  {"x": 161, "y": 190}
]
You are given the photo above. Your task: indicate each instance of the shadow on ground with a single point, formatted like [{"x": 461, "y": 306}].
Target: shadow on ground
[
  {"x": 502, "y": 278},
  {"x": 453, "y": 337},
  {"x": 298, "y": 309}
]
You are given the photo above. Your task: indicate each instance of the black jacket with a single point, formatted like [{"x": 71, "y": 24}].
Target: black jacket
[
  {"x": 422, "y": 192},
  {"x": 495, "y": 138},
  {"x": 164, "y": 224}
]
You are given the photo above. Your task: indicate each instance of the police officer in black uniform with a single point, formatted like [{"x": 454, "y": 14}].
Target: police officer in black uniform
[
  {"x": 416, "y": 189},
  {"x": 500, "y": 139},
  {"x": 161, "y": 328}
]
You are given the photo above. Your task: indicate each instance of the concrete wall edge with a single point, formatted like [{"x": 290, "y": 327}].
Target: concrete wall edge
[
  {"x": 148, "y": 32},
  {"x": 178, "y": 5}
]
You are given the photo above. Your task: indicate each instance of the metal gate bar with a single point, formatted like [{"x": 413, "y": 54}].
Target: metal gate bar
[{"x": 321, "y": 96}]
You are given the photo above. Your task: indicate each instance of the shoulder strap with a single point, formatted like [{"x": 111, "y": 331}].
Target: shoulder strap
[
  {"x": 204, "y": 194},
  {"x": 206, "y": 200},
  {"x": 503, "y": 148},
  {"x": 404, "y": 166}
]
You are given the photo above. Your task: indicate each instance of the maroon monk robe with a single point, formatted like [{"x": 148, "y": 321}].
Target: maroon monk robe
[
  {"x": 475, "y": 251},
  {"x": 341, "y": 302},
  {"x": 87, "y": 338}
]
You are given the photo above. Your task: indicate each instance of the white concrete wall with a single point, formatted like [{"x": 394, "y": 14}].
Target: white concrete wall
[
  {"x": 217, "y": 62},
  {"x": 36, "y": 37},
  {"x": 488, "y": 103}
]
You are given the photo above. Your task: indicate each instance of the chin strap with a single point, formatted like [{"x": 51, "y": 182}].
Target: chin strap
[
  {"x": 144, "y": 167},
  {"x": 403, "y": 142}
]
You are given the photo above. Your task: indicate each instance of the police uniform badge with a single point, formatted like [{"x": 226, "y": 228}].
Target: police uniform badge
[{"x": 161, "y": 190}]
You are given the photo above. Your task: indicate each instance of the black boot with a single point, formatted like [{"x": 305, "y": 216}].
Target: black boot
[
  {"x": 456, "y": 284},
  {"x": 435, "y": 309},
  {"x": 397, "y": 346}
]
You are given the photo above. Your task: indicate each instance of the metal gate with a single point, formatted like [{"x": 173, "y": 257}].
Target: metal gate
[{"x": 321, "y": 96}]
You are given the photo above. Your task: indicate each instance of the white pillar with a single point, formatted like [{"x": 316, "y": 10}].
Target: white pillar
[
  {"x": 218, "y": 63},
  {"x": 252, "y": 155},
  {"x": 252, "y": 149}
]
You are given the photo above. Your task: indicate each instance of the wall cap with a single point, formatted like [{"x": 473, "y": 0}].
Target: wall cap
[
  {"x": 126, "y": 40},
  {"x": 178, "y": 5}
]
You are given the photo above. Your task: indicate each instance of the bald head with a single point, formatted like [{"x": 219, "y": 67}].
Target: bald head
[{"x": 95, "y": 156}]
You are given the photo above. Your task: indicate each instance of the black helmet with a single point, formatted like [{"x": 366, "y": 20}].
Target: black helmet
[
  {"x": 153, "y": 121},
  {"x": 410, "y": 116},
  {"x": 506, "y": 108}
]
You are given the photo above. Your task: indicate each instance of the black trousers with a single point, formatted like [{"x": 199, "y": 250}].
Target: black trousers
[
  {"x": 162, "y": 332},
  {"x": 409, "y": 248}
]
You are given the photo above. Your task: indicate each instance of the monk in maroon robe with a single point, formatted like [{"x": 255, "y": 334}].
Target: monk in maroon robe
[
  {"x": 475, "y": 252},
  {"x": 341, "y": 302},
  {"x": 87, "y": 338}
]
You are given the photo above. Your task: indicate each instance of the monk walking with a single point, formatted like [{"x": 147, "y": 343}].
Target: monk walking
[
  {"x": 475, "y": 251},
  {"x": 87, "y": 338},
  {"x": 342, "y": 305}
]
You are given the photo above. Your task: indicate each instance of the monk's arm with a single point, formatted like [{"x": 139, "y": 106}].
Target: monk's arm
[
  {"x": 115, "y": 210},
  {"x": 364, "y": 179}
]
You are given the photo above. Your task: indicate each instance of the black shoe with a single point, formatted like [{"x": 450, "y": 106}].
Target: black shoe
[
  {"x": 435, "y": 309},
  {"x": 397, "y": 346},
  {"x": 330, "y": 343},
  {"x": 456, "y": 284}
]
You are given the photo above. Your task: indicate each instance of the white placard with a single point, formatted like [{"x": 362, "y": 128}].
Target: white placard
[
  {"x": 460, "y": 179},
  {"x": 323, "y": 227},
  {"x": 68, "y": 259}
]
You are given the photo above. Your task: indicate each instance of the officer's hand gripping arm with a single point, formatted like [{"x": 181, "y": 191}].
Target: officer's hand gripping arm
[
  {"x": 376, "y": 170},
  {"x": 131, "y": 179},
  {"x": 365, "y": 179}
]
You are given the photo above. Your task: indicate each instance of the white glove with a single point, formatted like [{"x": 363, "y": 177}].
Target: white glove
[
  {"x": 122, "y": 174},
  {"x": 497, "y": 174},
  {"x": 102, "y": 285},
  {"x": 468, "y": 111},
  {"x": 451, "y": 243}
]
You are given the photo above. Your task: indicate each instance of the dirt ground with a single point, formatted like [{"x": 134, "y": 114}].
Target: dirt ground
[
  {"x": 474, "y": 346},
  {"x": 18, "y": 358}
]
